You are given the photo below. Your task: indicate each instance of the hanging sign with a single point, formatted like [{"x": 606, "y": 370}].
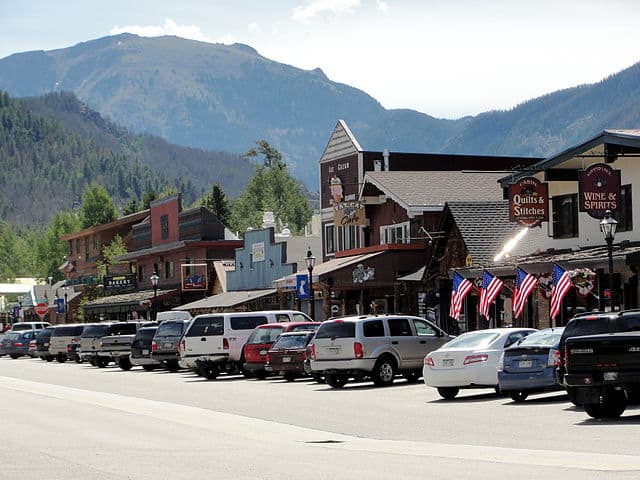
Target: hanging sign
[
  {"x": 599, "y": 190},
  {"x": 346, "y": 214},
  {"x": 528, "y": 202}
]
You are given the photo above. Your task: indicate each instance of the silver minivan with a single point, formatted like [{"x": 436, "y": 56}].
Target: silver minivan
[
  {"x": 213, "y": 342},
  {"x": 61, "y": 337},
  {"x": 374, "y": 346}
]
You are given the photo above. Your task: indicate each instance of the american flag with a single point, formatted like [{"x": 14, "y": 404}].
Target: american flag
[
  {"x": 461, "y": 286},
  {"x": 525, "y": 283},
  {"x": 491, "y": 287},
  {"x": 561, "y": 285}
]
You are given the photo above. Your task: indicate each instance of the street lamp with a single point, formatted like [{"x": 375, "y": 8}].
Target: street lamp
[
  {"x": 608, "y": 227},
  {"x": 311, "y": 260},
  {"x": 65, "y": 289},
  {"x": 154, "y": 282}
]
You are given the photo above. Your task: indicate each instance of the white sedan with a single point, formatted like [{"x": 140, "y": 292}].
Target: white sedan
[{"x": 470, "y": 360}]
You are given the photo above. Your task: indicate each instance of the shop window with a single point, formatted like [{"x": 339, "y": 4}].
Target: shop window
[
  {"x": 624, "y": 214},
  {"x": 86, "y": 248},
  {"x": 348, "y": 238},
  {"x": 78, "y": 246},
  {"x": 70, "y": 247},
  {"x": 397, "y": 233},
  {"x": 565, "y": 216},
  {"x": 141, "y": 273},
  {"x": 330, "y": 239},
  {"x": 168, "y": 270},
  {"x": 164, "y": 227},
  {"x": 95, "y": 241}
]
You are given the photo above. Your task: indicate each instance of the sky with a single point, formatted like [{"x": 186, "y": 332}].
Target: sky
[{"x": 445, "y": 58}]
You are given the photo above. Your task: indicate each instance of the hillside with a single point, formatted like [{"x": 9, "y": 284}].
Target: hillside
[{"x": 52, "y": 147}]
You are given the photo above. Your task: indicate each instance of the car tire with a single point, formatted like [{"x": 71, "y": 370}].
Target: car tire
[
  {"x": 259, "y": 374},
  {"x": 448, "y": 393},
  {"x": 318, "y": 377},
  {"x": 290, "y": 377},
  {"x": 210, "y": 372},
  {"x": 613, "y": 405},
  {"x": 149, "y": 368},
  {"x": 125, "y": 364},
  {"x": 14, "y": 356},
  {"x": 412, "y": 376},
  {"x": 102, "y": 362},
  {"x": 49, "y": 358},
  {"x": 92, "y": 362},
  {"x": 518, "y": 396},
  {"x": 60, "y": 358},
  {"x": 384, "y": 372},
  {"x": 336, "y": 380},
  {"x": 172, "y": 365},
  {"x": 573, "y": 396},
  {"x": 79, "y": 360}
]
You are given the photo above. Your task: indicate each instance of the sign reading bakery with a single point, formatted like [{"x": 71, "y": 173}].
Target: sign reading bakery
[
  {"x": 529, "y": 202},
  {"x": 599, "y": 190}
]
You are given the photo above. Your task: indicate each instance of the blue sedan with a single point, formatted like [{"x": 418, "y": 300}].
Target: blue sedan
[{"x": 530, "y": 365}]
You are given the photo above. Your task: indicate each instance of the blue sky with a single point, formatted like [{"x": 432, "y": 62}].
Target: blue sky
[{"x": 446, "y": 58}]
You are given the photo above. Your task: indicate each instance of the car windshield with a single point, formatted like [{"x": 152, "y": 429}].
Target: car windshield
[
  {"x": 18, "y": 327},
  {"x": 172, "y": 329},
  {"x": 95, "y": 331},
  {"x": 147, "y": 332},
  {"x": 305, "y": 328},
  {"x": 337, "y": 329},
  {"x": 542, "y": 339},
  {"x": 290, "y": 342},
  {"x": 473, "y": 340},
  {"x": 10, "y": 336},
  {"x": 265, "y": 335},
  {"x": 206, "y": 326}
]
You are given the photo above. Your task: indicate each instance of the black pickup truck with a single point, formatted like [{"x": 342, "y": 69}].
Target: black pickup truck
[{"x": 604, "y": 368}]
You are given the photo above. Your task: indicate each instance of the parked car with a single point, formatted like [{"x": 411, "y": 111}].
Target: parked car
[
  {"x": 115, "y": 345},
  {"x": 261, "y": 340},
  {"x": 16, "y": 344},
  {"x": 90, "y": 341},
  {"x": 33, "y": 346},
  {"x": 470, "y": 360},
  {"x": 213, "y": 343},
  {"x": 530, "y": 365},
  {"x": 61, "y": 337},
  {"x": 164, "y": 346},
  {"x": 141, "y": 348},
  {"x": 42, "y": 343},
  {"x": 73, "y": 351},
  {"x": 287, "y": 355},
  {"x": 373, "y": 346},
  {"x": 19, "y": 326}
]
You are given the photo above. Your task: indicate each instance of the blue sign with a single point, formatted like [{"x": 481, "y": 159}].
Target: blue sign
[
  {"x": 59, "y": 305},
  {"x": 302, "y": 287},
  {"x": 16, "y": 312}
]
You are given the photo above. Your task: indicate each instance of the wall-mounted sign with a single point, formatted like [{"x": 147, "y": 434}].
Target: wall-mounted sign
[
  {"x": 302, "y": 286},
  {"x": 528, "y": 202},
  {"x": 194, "y": 276},
  {"x": 599, "y": 190},
  {"x": 257, "y": 251},
  {"x": 346, "y": 214},
  {"x": 117, "y": 282},
  {"x": 363, "y": 274},
  {"x": 335, "y": 187}
]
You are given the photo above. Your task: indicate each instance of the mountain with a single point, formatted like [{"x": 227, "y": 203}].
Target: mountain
[
  {"x": 52, "y": 147},
  {"x": 225, "y": 97}
]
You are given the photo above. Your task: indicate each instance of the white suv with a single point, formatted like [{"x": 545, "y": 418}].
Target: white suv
[{"x": 375, "y": 346}]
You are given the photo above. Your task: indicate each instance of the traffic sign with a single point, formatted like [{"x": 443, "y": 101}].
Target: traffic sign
[{"x": 41, "y": 309}]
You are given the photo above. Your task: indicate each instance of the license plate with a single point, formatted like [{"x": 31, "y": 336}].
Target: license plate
[
  {"x": 610, "y": 376},
  {"x": 447, "y": 362},
  {"x": 46, "y": 344},
  {"x": 334, "y": 349},
  {"x": 286, "y": 359},
  {"x": 145, "y": 352},
  {"x": 167, "y": 345},
  {"x": 525, "y": 363},
  {"x": 262, "y": 352}
]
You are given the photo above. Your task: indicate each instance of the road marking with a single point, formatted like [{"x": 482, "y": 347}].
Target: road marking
[{"x": 253, "y": 428}]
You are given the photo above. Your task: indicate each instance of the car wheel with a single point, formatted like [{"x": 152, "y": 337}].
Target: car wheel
[
  {"x": 448, "y": 393},
  {"x": 61, "y": 358},
  {"x": 92, "y": 362},
  {"x": 412, "y": 376},
  {"x": 613, "y": 405},
  {"x": 259, "y": 374},
  {"x": 149, "y": 368},
  {"x": 384, "y": 371},
  {"x": 125, "y": 364},
  {"x": 335, "y": 380},
  {"x": 290, "y": 377},
  {"x": 317, "y": 377},
  {"x": 573, "y": 396},
  {"x": 102, "y": 362},
  {"x": 172, "y": 365},
  {"x": 14, "y": 356},
  {"x": 79, "y": 360},
  {"x": 210, "y": 372},
  {"x": 49, "y": 358},
  {"x": 518, "y": 397}
]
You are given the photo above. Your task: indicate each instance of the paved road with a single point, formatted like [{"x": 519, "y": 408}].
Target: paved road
[{"x": 76, "y": 421}]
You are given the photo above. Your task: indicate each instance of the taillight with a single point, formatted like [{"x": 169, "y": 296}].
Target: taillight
[
  {"x": 554, "y": 358},
  {"x": 69, "y": 348},
  {"x": 19, "y": 344},
  {"x": 154, "y": 346},
  {"x": 566, "y": 358},
  {"x": 475, "y": 359},
  {"x": 268, "y": 358},
  {"x": 313, "y": 351},
  {"x": 429, "y": 361},
  {"x": 358, "y": 350},
  {"x": 225, "y": 344}
]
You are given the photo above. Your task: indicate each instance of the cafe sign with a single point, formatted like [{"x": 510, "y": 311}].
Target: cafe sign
[
  {"x": 599, "y": 190},
  {"x": 347, "y": 214},
  {"x": 529, "y": 202}
]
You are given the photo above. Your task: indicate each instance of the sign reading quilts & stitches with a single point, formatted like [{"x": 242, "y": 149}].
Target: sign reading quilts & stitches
[
  {"x": 599, "y": 190},
  {"x": 528, "y": 202},
  {"x": 346, "y": 214}
]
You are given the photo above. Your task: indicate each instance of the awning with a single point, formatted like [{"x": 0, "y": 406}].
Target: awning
[
  {"x": 125, "y": 302},
  {"x": 413, "y": 277},
  {"x": 227, "y": 299}
]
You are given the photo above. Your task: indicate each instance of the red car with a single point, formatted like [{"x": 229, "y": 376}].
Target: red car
[
  {"x": 260, "y": 341},
  {"x": 287, "y": 355}
]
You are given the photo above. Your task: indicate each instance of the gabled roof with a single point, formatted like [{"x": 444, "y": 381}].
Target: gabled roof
[
  {"x": 485, "y": 228},
  {"x": 417, "y": 192},
  {"x": 341, "y": 143},
  {"x": 127, "y": 219},
  {"x": 621, "y": 139}
]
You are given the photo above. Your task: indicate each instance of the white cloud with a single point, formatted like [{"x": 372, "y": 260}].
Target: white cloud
[
  {"x": 254, "y": 28},
  {"x": 382, "y": 6},
  {"x": 318, "y": 7},
  {"x": 170, "y": 27}
]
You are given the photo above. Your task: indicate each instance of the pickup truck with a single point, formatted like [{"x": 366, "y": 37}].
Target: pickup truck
[
  {"x": 116, "y": 344},
  {"x": 604, "y": 368}
]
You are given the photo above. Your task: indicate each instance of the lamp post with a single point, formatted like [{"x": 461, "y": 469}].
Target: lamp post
[
  {"x": 608, "y": 227},
  {"x": 154, "y": 282},
  {"x": 311, "y": 260},
  {"x": 65, "y": 289}
]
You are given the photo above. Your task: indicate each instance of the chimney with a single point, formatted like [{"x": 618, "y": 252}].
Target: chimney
[{"x": 385, "y": 155}]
